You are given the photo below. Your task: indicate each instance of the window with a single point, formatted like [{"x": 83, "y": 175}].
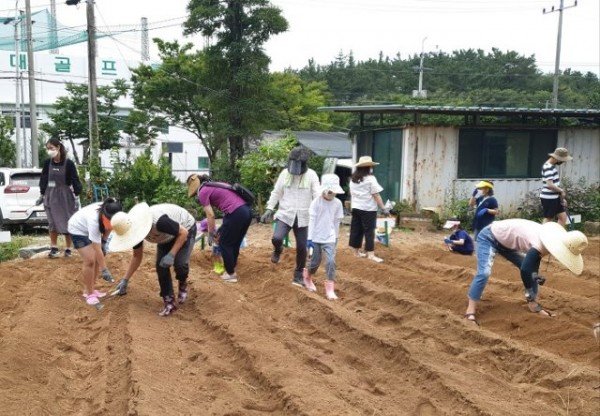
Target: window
[
  {"x": 503, "y": 153},
  {"x": 203, "y": 163}
]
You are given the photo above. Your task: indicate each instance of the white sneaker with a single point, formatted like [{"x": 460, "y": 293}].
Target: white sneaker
[
  {"x": 229, "y": 278},
  {"x": 371, "y": 256}
]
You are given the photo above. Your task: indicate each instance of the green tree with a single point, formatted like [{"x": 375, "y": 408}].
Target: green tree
[
  {"x": 179, "y": 91},
  {"x": 295, "y": 103},
  {"x": 237, "y": 63},
  {"x": 69, "y": 118},
  {"x": 8, "y": 150}
]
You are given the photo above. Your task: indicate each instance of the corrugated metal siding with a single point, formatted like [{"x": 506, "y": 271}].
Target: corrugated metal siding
[
  {"x": 429, "y": 164},
  {"x": 584, "y": 146}
]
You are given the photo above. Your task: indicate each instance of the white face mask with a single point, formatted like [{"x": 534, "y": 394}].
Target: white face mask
[{"x": 52, "y": 153}]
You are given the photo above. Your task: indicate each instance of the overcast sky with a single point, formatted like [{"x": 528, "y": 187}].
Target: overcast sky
[{"x": 322, "y": 28}]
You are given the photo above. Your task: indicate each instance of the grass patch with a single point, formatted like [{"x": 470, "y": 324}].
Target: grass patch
[{"x": 9, "y": 251}]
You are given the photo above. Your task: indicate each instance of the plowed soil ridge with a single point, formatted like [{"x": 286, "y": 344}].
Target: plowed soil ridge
[{"x": 394, "y": 344}]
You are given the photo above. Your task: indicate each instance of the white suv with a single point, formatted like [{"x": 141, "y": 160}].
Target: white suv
[{"x": 19, "y": 190}]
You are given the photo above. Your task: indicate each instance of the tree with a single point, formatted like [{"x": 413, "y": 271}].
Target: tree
[
  {"x": 69, "y": 118},
  {"x": 237, "y": 63},
  {"x": 295, "y": 102},
  {"x": 8, "y": 150},
  {"x": 178, "y": 90}
]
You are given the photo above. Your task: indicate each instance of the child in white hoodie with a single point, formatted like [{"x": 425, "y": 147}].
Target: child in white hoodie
[{"x": 325, "y": 215}]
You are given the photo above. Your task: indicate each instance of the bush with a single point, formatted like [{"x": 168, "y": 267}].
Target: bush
[
  {"x": 582, "y": 199},
  {"x": 9, "y": 251},
  {"x": 457, "y": 207}
]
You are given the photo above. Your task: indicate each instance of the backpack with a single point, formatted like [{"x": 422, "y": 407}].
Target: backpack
[{"x": 246, "y": 194}]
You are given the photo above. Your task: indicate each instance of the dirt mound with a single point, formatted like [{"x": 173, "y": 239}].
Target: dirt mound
[{"x": 394, "y": 344}]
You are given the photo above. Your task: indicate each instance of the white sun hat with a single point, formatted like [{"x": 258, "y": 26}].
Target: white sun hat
[
  {"x": 565, "y": 246},
  {"x": 331, "y": 182},
  {"x": 450, "y": 223},
  {"x": 365, "y": 162},
  {"x": 129, "y": 229}
]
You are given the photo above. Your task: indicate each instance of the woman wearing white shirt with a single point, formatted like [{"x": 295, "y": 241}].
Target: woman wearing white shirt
[{"x": 364, "y": 191}]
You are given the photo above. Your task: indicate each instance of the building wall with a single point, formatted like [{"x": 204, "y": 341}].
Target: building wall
[{"x": 430, "y": 165}]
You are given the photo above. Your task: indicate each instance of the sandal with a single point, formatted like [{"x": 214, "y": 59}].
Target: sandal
[
  {"x": 471, "y": 317},
  {"x": 540, "y": 310}
]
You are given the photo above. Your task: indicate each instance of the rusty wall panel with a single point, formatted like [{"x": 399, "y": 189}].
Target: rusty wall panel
[
  {"x": 584, "y": 146},
  {"x": 430, "y": 164}
]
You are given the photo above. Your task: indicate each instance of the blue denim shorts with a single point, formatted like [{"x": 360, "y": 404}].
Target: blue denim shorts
[{"x": 80, "y": 241}]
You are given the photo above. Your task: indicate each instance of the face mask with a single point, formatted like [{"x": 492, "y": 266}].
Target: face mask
[
  {"x": 52, "y": 153},
  {"x": 296, "y": 167}
]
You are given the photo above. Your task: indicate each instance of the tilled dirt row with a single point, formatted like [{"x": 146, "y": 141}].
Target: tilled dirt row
[{"x": 394, "y": 344}]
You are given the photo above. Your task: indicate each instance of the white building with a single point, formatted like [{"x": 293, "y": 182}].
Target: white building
[{"x": 53, "y": 71}]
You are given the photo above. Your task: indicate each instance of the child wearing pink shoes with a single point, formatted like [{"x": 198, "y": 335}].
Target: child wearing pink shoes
[{"x": 325, "y": 215}]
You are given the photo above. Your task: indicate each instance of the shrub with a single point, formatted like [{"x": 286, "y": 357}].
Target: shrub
[
  {"x": 457, "y": 206},
  {"x": 9, "y": 251}
]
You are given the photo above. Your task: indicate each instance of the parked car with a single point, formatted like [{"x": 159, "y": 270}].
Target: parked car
[{"x": 19, "y": 190}]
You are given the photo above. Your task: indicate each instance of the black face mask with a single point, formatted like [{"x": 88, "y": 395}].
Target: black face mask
[{"x": 297, "y": 167}]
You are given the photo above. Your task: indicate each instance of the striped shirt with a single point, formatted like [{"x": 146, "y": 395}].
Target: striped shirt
[{"x": 550, "y": 172}]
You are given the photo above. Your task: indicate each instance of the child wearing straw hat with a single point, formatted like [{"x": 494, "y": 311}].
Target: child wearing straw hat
[
  {"x": 365, "y": 198},
  {"x": 325, "y": 214},
  {"x": 485, "y": 204},
  {"x": 173, "y": 230},
  {"x": 87, "y": 228},
  {"x": 552, "y": 195},
  {"x": 524, "y": 243}
]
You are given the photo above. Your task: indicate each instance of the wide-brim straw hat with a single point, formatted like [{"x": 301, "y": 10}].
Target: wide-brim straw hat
[
  {"x": 561, "y": 154},
  {"x": 484, "y": 184},
  {"x": 193, "y": 184},
  {"x": 365, "y": 162},
  {"x": 449, "y": 224},
  {"x": 331, "y": 182},
  {"x": 565, "y": 246},
  {"x": 130, "y": 229}
]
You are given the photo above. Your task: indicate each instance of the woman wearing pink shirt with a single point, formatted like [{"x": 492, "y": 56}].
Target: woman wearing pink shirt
[{"x": 524, "y": 243}]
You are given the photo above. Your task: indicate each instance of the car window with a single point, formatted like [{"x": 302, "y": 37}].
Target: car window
[
  {"x": 25, "y": 178},
  {"x": 2, "y": 183}
]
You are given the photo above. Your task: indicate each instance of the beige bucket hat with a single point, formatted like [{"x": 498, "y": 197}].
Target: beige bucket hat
[
  {"x": 565, "y": 246},
  {"x": 365, "y": 162},
  {"x": 129, "y": 229},
  {"x": 561, "y": 154},
  {"x": 193, "y": 184}
]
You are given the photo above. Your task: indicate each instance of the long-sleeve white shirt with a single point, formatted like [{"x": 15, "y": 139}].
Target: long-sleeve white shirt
[
  {"x": 294, "y": 194},
  {"x": 325, "y": 218}
]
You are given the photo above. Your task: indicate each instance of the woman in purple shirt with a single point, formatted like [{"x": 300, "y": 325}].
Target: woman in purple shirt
[{"x": 237, "y": 217}]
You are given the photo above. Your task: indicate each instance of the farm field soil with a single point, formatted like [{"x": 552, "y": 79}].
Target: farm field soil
[{"x": 394, "y": 344}]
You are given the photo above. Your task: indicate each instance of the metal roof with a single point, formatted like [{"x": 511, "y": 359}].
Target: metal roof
[
  {"x": 323, "y": 143},
  {"x": 454, "y": 110}
]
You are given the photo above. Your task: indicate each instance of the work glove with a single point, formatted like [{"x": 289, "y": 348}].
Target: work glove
[
  {"x": 447, "y": 241},
  {"x": 482, "y": 212},
  {"x": 39, "y": 201},
  {"x": 475, "y": 193},
  {"x": 385, "y": 211},
  {"x": 121, "y": 288},
  {"x": 540, "y": 279},
  {"x": 105, "y": 273},
  {"x": 168, "y": 260},
  {"x": 77, "y": 203},
  {"x": 267, "y": 217},
  {"x": 310, "y": 244},
  {"x": 104, "y": 245}
]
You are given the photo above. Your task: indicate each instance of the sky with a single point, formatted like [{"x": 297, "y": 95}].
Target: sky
[{"x": 321, "y": 29}]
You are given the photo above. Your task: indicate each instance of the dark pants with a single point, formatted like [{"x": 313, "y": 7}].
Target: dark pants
[
  {"x": 363, "y": 225},
  {"x": 301, "y": 234},
  {"x": 231, "y": 233},
  {"x": 181, "y": 265}
]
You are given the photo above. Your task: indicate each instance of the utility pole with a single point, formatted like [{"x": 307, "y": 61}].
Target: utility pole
[
  {"x": 31, "y": 75},
  {"x": 93, "y": 163},
  {"x": 16, "y": 23},
  {"x": 420, "y": 93},
  {"x": 145, "y": 45},
  {"x": 558, "y": 39},
  {"x": 53, "y": 32}
]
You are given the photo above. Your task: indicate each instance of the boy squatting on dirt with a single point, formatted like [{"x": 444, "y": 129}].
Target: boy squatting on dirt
[
  {"x": 325, "y": 214},
  {"x": 511, "y": 238}
]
